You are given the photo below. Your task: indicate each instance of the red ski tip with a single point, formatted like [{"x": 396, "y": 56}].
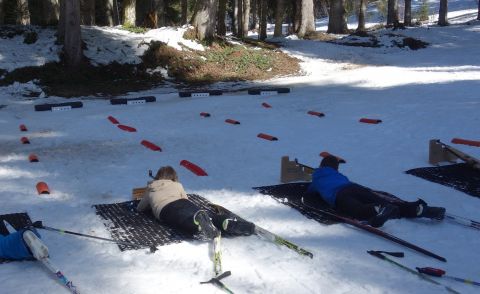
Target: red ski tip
[
  {"x": 205, "y": 114},
  {"x": 267, "y": 137},
  {"x": 266, "y": 105},
  {"x": 232, "y": 121},
  {"x": 127, "y": 128},
  {"x": 193, "y": 168},
  {"x": 42, "y": 188},
  {"x": 113, "y": 120},
  {"x": 25, "y": 140},
  {"x": 23, "y": 128},
  {"x": 316, "y": 113},
  {"x": 32, "y": 158},
  {"x": 325, "y": 154},
  {"x": 370, "y": 120},
  {"x": 466, "y": 142},
  {"x": 150, "y": 145}
]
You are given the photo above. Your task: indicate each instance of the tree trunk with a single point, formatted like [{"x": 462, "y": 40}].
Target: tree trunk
[
  {"x": 184, "y": 19},
  {"x": 73, "y": 39},
  {"x": 307, "y": 23},
  {"x": 442, "y": 14},
  {"x": 128, "y": 12},
  {"x": 297, "y": 15},
  {"x": 204, "y": 21},
  {"x": 43, "y": 12},
  {"x": 16, "y": 12},
  {"x": 142, "y": 9},
  {"x": 159, "y": 7},
  {"x": 263, "y": 19},
  {"x": 222, "y": 10},
  {"x": 254, "y": 10},
  {"x": 2, "y": 13},
  {"x": 337, "y": 21},
  {"x": 392, "y": 14},
  {"x": 240, "y": 32},
  {"x": 407, "y": 19},
  {"x": 246, "y": 17},
  {"x": 234, "y": 17},
  {"x": 87, "y": 12},
  {"x": 61, "y": 23},
  {"x": 104, "y": 12},
  {"x": 279, "y": 13},
  {"x": 361, "y": 15}
]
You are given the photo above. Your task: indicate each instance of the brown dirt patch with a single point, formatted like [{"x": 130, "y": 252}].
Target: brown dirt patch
[{"x": 221, "y": 62}]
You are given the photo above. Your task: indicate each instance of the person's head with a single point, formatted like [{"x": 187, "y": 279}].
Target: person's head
[
  {"x": 166, "y": 173},
  {"x": 330, "y": 161}
]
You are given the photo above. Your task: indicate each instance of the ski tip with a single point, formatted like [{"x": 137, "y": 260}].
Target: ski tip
[{"x": 9, "y": 227}]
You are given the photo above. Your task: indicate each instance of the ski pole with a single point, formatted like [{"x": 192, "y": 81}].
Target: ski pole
[
  {"x": 373, "y": 230},
  {"x": 39, "y": 225},
  {"x": 463, "y": 221},
  {"x": 216, "y": 281},
  {"x": 399, "y": 254},
  {"x": 436, "y": 272}
]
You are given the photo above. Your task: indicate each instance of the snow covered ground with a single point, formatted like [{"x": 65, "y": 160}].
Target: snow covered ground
[{"x": 86, "y": 160}]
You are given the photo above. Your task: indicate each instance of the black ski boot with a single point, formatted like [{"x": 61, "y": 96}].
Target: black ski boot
[
  {"x": 238, "y": 227},
  {"x": 205, "y": 225},
  {"x": 432, "y": 212},
  {"x": 384, "y": 213}
]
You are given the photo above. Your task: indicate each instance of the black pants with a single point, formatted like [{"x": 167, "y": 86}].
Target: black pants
[
  {"x": 359, "y": 202},
  {"x": 179, "y": 215}
]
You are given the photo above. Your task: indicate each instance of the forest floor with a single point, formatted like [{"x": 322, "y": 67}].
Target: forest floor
[{"x": 222, "y": 60}]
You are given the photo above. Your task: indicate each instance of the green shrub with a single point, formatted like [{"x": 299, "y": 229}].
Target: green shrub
[
  {"x": 132, "y": 28},
  {"x": 422, "y": 14}
]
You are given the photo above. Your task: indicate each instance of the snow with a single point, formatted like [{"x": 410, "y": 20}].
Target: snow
[{"x": 419, "y": 95}]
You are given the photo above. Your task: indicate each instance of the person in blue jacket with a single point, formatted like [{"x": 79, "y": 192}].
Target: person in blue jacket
[
  {"x": 360, "y": 202},
  {"x": 23, "y": 244}
]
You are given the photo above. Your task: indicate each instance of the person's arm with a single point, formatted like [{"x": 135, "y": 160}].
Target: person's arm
[
  {"x": 183, "y": 194},
  {"x": 144, "y": 203}
]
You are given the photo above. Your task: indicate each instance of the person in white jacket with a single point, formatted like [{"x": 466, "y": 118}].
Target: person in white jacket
[{"x": 169, "y": 203}]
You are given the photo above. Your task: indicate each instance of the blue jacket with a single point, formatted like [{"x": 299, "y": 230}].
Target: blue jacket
[
  {"x": 326, "y": 181},
  {"x": 12, "y": 246}
]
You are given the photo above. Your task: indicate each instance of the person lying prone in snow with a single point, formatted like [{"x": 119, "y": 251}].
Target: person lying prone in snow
[
  {"x": 360, "y": 202},
  {"x": 168, "y": 201},
  {"x": 21, "y": 245}
]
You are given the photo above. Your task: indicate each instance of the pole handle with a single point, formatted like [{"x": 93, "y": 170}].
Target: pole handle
[{"x": 436, "y": 272}]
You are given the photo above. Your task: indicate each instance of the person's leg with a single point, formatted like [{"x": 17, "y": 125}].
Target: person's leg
[
  {"x": 361, "y": 203},
  {"x": 420, "y": 208},
  {"x": 358, "y": 202},
  {"x": 186, "y": 216},
  {"x": 232, "y": 225},
  {"x": 180, "y": 215},
  {"x": 13, "y": 246}
]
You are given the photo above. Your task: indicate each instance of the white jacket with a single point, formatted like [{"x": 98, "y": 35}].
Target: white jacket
[{"x": 159, "y": 193}]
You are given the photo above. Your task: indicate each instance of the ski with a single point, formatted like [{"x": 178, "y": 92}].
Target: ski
[
  {"x": 373, "y": 230},
  {"x": 216, "y": 281},
  {"x": 267, "y": 235},
  {"x": 48, "y": 264},
  {"x": 463, "y": 221},
  {"x": 60, "y": 276},
  {"x": 380, "y": 254},
  {"x": 281, "y": 241},
  {"x": 436, "y": 272},
  {"x": 217, "y": 255}
]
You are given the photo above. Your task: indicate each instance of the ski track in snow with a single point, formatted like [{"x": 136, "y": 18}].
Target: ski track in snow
[{"x": 86, "y": 160}]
